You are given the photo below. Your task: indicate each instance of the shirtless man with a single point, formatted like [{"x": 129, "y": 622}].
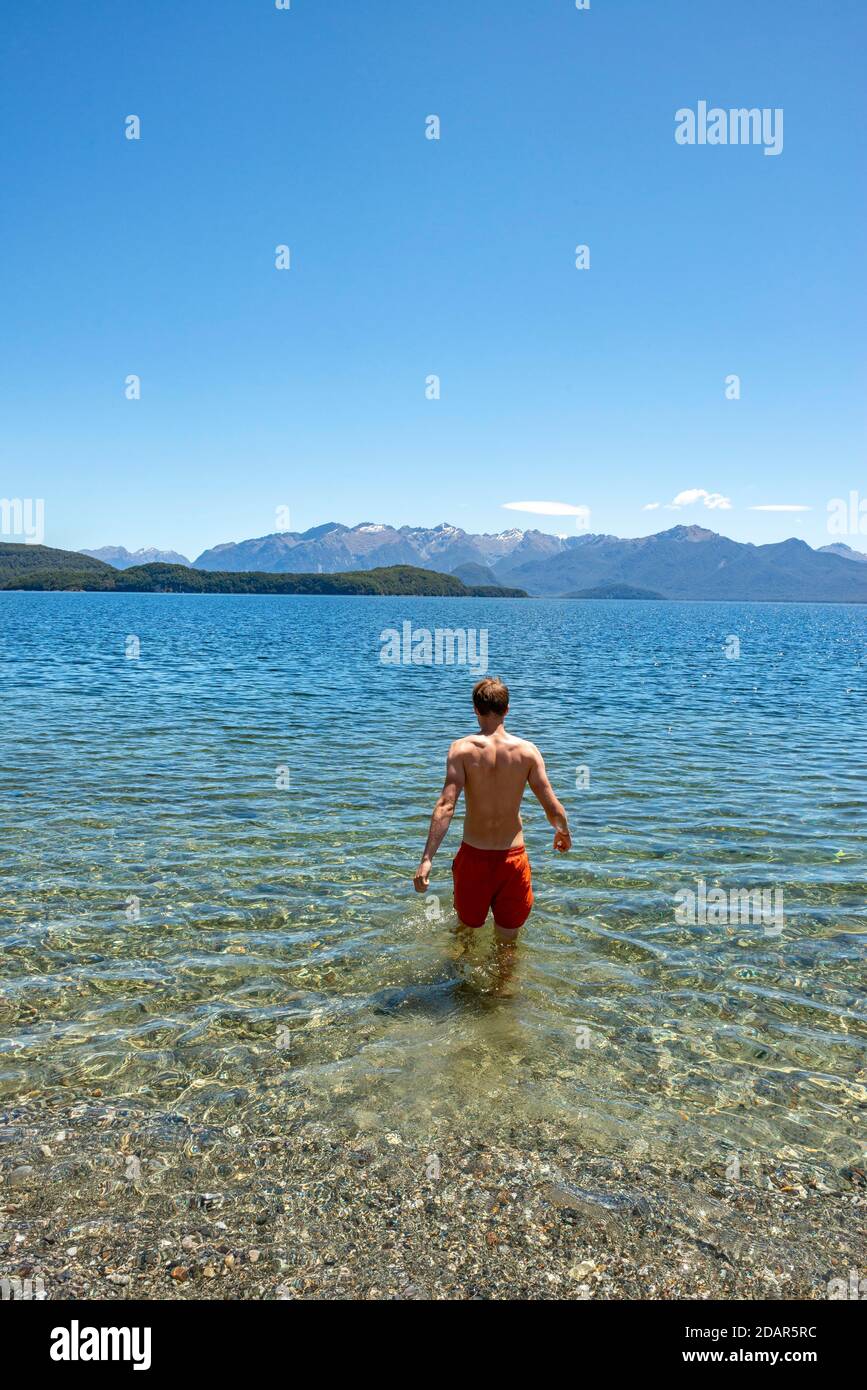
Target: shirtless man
[{"x": 492, "y": 768}]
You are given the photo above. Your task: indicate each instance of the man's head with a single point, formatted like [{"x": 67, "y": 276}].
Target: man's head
[{"x": 491, "y": 698}]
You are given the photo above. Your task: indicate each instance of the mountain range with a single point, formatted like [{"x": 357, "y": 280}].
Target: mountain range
[
  {"x": 122, "y": 559},
  {"x": 685, "y": 562}
]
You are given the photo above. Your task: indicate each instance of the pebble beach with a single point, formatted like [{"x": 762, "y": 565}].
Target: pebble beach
[{"x": 327, "y": 1212}]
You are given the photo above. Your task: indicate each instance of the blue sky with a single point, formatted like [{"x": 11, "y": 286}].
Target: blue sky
[{"x": 410, "y": 257}]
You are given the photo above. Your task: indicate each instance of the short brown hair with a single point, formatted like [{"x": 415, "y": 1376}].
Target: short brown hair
[{"x": 491, "y": 696}]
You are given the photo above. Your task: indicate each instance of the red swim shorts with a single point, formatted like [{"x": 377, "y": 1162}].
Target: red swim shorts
[{"x": 497, "y": 879}]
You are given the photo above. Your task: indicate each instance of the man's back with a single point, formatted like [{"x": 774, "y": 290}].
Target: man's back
[
  {"x": 496, "y": 769},
  {"x": 491, "y": 870}
]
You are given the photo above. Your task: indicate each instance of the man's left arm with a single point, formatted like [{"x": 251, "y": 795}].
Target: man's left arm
[
  {"x": 442, "y": 816},
  {"x": 544, "y": 793}
]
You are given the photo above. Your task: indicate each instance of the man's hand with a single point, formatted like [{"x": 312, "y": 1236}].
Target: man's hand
[
  {"x": 421, "y": 881},
  {"x": 562, "y": 841}
]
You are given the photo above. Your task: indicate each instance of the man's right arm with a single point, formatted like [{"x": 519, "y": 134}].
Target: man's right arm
[
  {"x": 442, "y": 816},
  {"x": 544, "y": 793}
]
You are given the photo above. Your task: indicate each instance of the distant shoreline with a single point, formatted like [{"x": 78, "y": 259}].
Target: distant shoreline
[{"x": 470, "y": 593}]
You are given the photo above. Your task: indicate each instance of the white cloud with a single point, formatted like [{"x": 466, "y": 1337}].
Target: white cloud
[
  {"x": 781, "y": 507},
  {"x": 548, "y": 508},
  {"x": 650, "y": 506},
  {"x": 713, "y": 500}
]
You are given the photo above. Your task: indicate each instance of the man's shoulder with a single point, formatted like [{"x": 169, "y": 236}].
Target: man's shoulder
[
  {"x": 464, "y": 743},
  {"x": 467, "y": 745},
  {"x": 526, "y": 746}
]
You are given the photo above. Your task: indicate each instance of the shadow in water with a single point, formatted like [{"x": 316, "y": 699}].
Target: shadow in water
[{"x": 473, "y": 986}]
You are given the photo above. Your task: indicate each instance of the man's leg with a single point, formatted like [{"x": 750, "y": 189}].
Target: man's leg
[
  {"x": 463, "y": 935},
  {"x": 471, "y": 893},
  {"x": 505, "y": 960},
  {"x": 513, "y": 900}
]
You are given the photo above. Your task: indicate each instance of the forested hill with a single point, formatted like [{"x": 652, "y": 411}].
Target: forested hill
[{"x": 22, "y": 571}]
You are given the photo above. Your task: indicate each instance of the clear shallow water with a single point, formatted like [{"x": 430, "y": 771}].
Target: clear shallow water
[{"x": 181, "y": 931}]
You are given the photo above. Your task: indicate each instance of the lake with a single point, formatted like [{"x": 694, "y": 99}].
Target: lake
[{"x": 213, "y": 807}]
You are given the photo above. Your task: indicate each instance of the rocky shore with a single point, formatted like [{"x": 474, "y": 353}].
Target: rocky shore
[{"x": 109, "y": 1202}]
